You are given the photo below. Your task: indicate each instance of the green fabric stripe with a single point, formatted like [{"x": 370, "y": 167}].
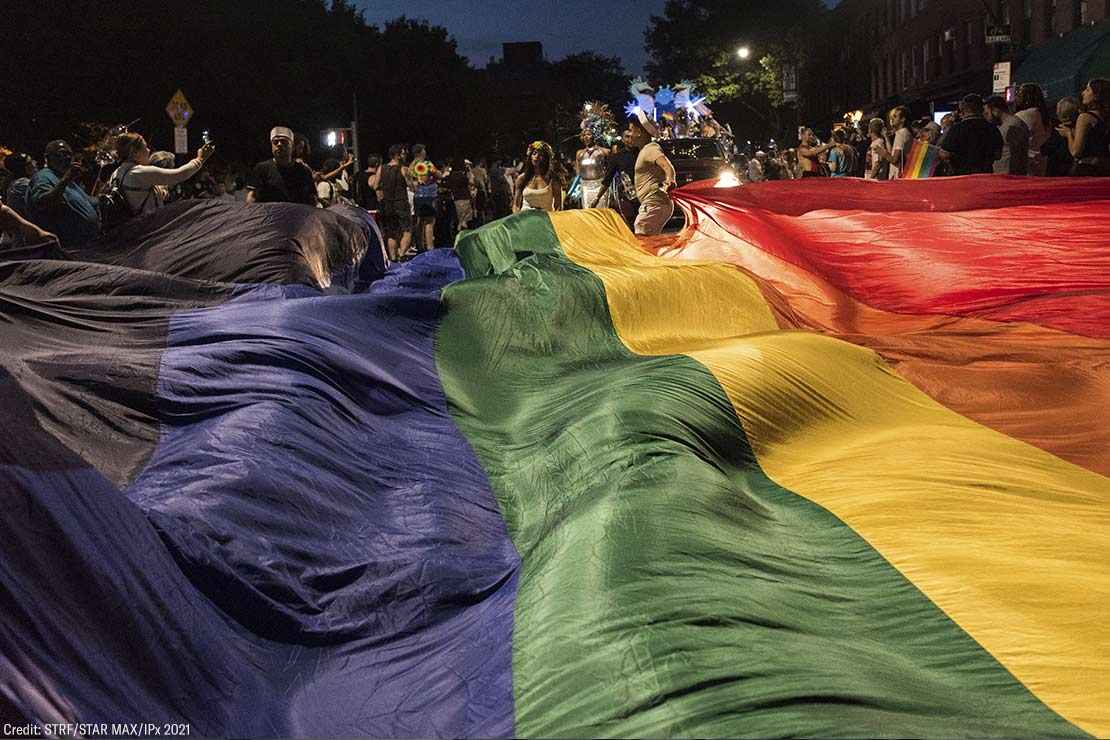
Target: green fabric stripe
[{"x": 668, "y": 586}]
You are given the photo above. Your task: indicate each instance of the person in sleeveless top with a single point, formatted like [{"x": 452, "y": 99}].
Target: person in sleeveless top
[
  {"x": 539, "y": 186},
  {"x": 591, "y": 163},
  {"x": 393, "y": 197},
  {"x": 144, "y": 184},
  {"x": 1089, "y": 140}
]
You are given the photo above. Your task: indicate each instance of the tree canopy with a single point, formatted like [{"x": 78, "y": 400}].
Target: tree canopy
[
  {"x": 251, "y": 64},
  {"x": 698, "y": 40}
]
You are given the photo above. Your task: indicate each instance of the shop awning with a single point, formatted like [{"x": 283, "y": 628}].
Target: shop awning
[{"x": 1062, "y": 66}]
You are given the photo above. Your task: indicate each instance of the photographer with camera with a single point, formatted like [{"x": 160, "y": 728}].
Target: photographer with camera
[{"x": 57, "y": 202}]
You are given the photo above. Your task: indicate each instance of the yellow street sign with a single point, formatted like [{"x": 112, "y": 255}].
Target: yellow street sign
[{"x": 179, "y": 109}]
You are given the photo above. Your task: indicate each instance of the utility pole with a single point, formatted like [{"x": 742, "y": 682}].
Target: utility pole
[{"x": 357, "y": 185}]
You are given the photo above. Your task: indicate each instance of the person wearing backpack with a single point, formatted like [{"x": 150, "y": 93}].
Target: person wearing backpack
[
  {"x": 143, "y": 184},
  {"x": 425, "y": 194}
]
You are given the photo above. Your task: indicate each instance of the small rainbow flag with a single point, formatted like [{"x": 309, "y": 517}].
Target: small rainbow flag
[{"x": 921, "y": 161}]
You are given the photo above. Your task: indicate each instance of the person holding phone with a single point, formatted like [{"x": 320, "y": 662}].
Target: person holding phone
[
  {"x": 57, "y": 202},
  {"x": 144, "y": 183}
]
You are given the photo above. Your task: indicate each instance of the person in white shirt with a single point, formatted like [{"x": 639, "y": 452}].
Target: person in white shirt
[
  {"x": 899, "y": 120},
  {"x": 146, "y": 184},
  {"x": 1033, "y": 111}
]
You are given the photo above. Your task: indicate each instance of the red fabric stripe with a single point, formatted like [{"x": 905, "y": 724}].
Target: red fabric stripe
[{"x": 1046, "y": 262}]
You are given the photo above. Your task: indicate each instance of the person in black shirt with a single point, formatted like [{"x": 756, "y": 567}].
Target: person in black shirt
[
  {"x": 281, "y": 179},
  {"x": 973, "y": 143}
]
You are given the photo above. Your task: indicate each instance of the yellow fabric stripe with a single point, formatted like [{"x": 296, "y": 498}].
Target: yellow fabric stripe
[{"x": 1010, "y": 541}]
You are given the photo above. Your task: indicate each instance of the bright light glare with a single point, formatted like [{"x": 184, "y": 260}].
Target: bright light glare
[
  {"x": 743, "y": 52},
  {"x": 331, "y": 138},
  {"x": 727, "y": 179}
]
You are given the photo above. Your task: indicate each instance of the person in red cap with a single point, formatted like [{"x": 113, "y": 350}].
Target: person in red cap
[{"x": 281, "y": 179}]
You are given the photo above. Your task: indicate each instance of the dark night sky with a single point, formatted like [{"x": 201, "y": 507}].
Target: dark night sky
[{"x": 610, "y": 27}]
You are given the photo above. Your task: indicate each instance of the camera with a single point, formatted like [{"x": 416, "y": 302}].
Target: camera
[{"x": 205, "y": 137}]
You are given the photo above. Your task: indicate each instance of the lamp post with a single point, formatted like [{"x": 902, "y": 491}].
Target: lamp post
[{"x": 743, "y": 52}]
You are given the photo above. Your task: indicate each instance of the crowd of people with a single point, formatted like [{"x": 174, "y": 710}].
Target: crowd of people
[
  {"x": 983, "y": 136},
  {"x": 420, "y": 204}
]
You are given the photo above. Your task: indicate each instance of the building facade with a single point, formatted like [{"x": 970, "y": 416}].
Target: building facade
[{"x": 929, "y": 53}]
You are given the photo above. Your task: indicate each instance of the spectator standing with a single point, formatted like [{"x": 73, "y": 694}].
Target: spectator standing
[
  {"x": 481, "y": 192},
  {"x": 281, "y": 179},
  {"x": 21, "y": 168},
  {"x": 500, "y": 190},
  {"x": 973, "y": 144},
  {"x": 755, "y": 167},
  {"x": 393, "y": 196},
  {"x": 841, "y": 156},
  {"x": 1033, "y": 111},
  {"x": 1015, "y": 137},
  {"x": 460, "y": 182},
  {"x": 946, "y": 122},
  {"x": 810, "y": 150},
  {"x": 1058, "y": 159},
  {"x": 878, "y": 156},
  {"x": 57, "y": 203},
  {"x": 146, "y": 185},
  {"x": 425, "y": 201},
  {"x": 899, "y": 120},
  {"x": 1089, "y": 139},
  {"x": 539, "y": 187},
  {"x": 369, "y": 180}
]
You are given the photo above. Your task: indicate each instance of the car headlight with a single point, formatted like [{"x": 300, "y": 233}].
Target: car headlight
[{"x": 727, "y": 179}]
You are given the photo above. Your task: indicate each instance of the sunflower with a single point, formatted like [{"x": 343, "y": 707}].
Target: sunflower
[{"x": 421, "y": 168}]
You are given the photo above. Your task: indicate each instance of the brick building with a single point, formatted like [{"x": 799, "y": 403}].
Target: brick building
[{"x": 874, "y": 54}]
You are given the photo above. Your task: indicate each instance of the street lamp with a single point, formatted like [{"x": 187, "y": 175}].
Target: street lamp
[{"x": 743, "y": 52}]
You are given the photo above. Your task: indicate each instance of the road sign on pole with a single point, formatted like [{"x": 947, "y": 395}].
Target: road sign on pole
[
  {"x": 1001, "y": 77},
  {"x": 179, "y": 110},
  {"x": 180, "y": 140}
]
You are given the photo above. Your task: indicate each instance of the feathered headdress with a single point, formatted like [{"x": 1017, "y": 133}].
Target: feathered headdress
[{"x": 598, "y": 120}]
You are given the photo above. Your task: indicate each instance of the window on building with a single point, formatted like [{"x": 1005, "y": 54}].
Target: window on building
[
  {"x": 1027, "y": 22},
  {"x": 1082, "y": 16},
  {"x": 925, "y": 62},
  {"x": 1050, "y": 18},
  {"x": 921, "y": 6},
  {"x": 1004, "y": 12},
  {"x": 969, "y": 42}
]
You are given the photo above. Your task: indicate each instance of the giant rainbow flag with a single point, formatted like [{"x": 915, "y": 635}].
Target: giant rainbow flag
[{"x": 832, "y": 462}]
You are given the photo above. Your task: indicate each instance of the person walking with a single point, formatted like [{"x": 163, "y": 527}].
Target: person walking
[{"x": 654, "y": 179}]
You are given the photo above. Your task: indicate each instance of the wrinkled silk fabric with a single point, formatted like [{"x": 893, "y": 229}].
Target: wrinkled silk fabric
[{"x": 564, "y": 482}]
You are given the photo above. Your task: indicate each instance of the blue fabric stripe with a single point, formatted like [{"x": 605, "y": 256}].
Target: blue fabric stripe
[{"x": 348, "y": 570}]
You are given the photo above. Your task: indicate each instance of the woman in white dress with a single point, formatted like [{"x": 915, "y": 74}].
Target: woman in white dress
[{"x": 539, "y": 186}]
